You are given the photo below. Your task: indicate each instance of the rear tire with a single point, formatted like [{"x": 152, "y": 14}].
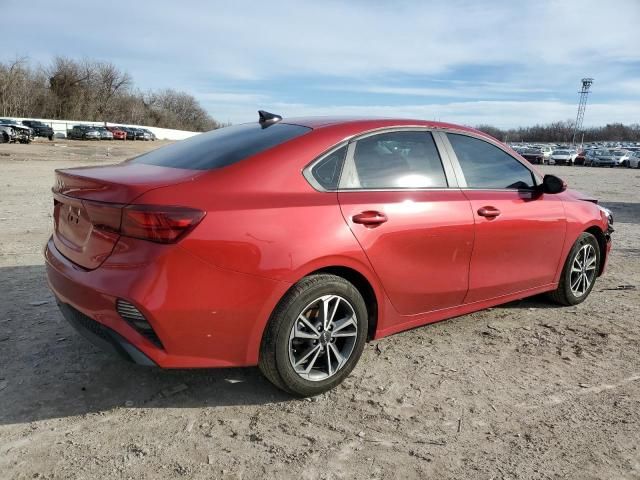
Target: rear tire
[
  {"x": 579, "y": 272},
  {"x": 299, "y": 354}
]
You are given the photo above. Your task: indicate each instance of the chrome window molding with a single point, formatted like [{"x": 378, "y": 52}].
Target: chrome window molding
[{"x": 452, "y": 169}]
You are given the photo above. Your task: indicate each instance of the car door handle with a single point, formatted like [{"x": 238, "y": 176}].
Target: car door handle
[
  {"x": 489, "y": 212},
  {"x": 370, "y": 218}
]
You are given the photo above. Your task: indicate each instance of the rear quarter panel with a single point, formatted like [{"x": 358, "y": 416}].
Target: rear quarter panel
[{"x": 264, "y": 219}]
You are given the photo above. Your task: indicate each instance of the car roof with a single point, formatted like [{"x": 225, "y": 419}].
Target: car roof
[
  {"x": 355, "y": 125},
  {"x": 319, "y": 122}
]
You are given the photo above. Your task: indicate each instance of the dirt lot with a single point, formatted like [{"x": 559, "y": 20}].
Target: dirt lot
[{"x": 526, "y": 390}]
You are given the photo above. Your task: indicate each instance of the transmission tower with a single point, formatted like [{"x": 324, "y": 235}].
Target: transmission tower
[{"x": 582, "y": 105}]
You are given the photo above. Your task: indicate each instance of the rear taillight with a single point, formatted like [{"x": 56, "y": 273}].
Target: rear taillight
[
  {"x": 162, "y": 224},
  {"x": 159, "y": 224}
]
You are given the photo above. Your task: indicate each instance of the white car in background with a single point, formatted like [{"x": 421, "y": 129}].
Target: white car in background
[
  {"x": 621, "y": 156},
  {"x": 634, "y": 160},
  {"x": 7, "y": 134},
  {"x": 565, "y": 156},
  {"x": 546, "y": 151}
]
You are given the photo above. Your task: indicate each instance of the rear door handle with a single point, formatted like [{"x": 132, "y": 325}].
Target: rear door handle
[
  {"x": 489, "y": 212},
  {"x": 370, "y": 218}
]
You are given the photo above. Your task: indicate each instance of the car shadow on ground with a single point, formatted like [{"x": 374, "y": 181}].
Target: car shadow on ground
[
  {"x": 47, "y": 370},
  {"x": 538, "y": 301}
]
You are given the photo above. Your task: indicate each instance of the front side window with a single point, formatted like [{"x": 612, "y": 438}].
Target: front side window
[
  {"x": 486, "y": 166},
  {"x": 396, "y": 160}
]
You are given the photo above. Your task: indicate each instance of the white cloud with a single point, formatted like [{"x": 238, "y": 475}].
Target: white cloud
[
  {"x": 245, "y": 39},
  {"x": 503, "y": 54},
  {"x": 458, "y": 90},
  {"x": 230, "y": 97}
]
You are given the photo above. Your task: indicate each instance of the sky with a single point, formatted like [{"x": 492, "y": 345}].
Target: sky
[{"x": 504, "y": 63}]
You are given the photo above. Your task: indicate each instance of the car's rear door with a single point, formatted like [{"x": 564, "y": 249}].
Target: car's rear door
[
  {"x": 400, "y": 200},
  {"x": 519, "y": 231}
]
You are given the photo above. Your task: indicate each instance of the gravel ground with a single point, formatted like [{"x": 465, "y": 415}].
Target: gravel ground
[{"x": 525, "y": 390}]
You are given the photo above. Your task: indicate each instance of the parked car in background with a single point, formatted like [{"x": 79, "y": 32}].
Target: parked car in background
[
  {"x": 290, "y": 244},
  {"x": 517, "y": 148},
  {"x": 105, "y": 133},
  {"x": 117, "y": 132},
  {"x": 563, "y": 156},
  {"x": 141, "y": 134},
  {"x": 621, "y": 157},
  {"x": 7, "y": 134},
  {"x": 23, "y": 134},
  {"x": 533, "y": 155},
  {"x": 130, "y": 134},
  {"x": 599, "y": 158},
  {"x": 40, "y": 129},
  {"x": 152, "y": 136},
  {"x": 84, "y": 132},
  {"x": 546, "y": 152},
  {"x": 634, "y": 160}
]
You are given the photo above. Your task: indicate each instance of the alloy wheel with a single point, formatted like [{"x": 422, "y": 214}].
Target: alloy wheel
[
  {"x": 583, "y": 270},
  {"x": 323, "y": 338}
]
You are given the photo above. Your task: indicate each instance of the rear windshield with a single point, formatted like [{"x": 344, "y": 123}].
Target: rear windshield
[{"x": 222, "y": 147}]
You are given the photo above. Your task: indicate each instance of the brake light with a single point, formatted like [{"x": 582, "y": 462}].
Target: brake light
[
  {"x": 158, "y": 223},
  {"x": 162, "y": 224}
]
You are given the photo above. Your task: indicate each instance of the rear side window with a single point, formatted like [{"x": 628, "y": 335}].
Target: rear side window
[
  {"x": 396, "y": 160},
  {"x": 326, "y": 172},
  {"x": 222, "y": 147},
  {"x": 486, "y": 166}
]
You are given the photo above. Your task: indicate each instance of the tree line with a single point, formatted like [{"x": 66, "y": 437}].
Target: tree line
[
  {"x": 92, "y": 90},
  {"x": 562, "y": 132}
]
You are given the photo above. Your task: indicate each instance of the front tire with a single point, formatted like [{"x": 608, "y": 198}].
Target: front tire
[
  {"x": 315, "y": 336},
  {"x": 579, "y": 272}
]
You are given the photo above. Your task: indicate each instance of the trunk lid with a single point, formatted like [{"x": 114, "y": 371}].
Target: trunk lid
[{"x": 88, "y": 205}]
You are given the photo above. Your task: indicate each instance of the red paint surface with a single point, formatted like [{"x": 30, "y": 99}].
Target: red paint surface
[{"x": 209, "y": 296}]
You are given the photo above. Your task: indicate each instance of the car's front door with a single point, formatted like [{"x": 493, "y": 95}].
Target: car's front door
[
  {"x": 416, "y": 231},
  {"x": 519, "y": 232}
]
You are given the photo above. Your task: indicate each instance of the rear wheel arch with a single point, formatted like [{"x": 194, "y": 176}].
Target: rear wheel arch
[
  {"x": 353, "y": 276},
  {"x": 363, "y": 286}
]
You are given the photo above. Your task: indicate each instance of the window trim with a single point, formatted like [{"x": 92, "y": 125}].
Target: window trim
[
  {"x": 452, "y": 169},
  {"x": 458, "y": 168},
  {"x": 307, "y": 171}
]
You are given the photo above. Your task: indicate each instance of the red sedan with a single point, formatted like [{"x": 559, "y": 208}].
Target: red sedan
[
  {"x": 289, "y": 243},
  {"x": 118, "y": 134}
]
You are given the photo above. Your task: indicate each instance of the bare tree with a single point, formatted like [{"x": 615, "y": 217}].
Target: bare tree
[
  {"x": 562, "y": 132},
  {"x": 110, "y": 82}
]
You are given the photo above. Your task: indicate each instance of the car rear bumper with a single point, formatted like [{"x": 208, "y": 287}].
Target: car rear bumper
[
  {"x": 203, "y": 316},
  {"x": 103, "y": 337}
]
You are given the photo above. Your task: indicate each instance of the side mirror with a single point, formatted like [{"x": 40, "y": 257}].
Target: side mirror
[{"x": 553, "y": 184}]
